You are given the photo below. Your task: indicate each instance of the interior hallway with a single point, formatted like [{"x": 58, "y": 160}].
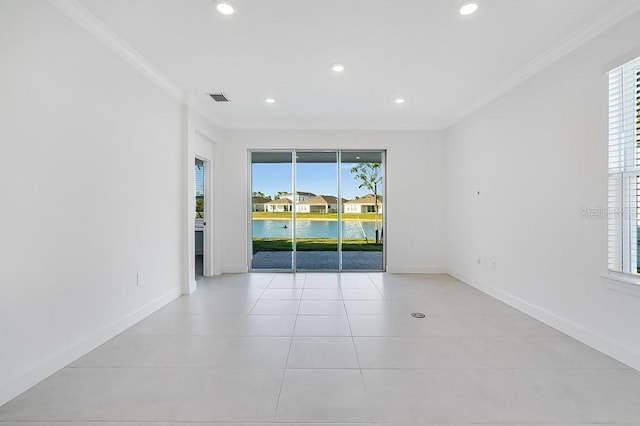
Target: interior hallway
[{"x": 340, "y": 349}]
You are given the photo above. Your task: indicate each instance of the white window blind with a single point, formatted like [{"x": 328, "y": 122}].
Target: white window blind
[{"x": 624, "y": 167}]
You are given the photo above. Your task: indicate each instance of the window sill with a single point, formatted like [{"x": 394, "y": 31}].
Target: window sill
[{"x": 623, "y": 283}]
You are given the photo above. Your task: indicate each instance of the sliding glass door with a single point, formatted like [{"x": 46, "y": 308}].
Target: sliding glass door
[
  {"x": 363, "y": 210},
  {"x": 314, "y": 210},
  {"x": 272, "y": 206},
  {"x": 317, "y": 208}
]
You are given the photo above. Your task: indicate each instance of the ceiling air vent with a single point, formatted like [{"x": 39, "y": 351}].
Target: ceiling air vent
[{"x": 219, "y": 97}]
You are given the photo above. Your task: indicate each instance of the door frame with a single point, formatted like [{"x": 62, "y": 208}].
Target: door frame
[
  {"x": 201, "y": 147},
  {"x": 207, "y": 237}
]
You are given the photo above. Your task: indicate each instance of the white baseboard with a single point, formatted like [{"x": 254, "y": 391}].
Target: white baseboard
[
  {"x": 407, "y": 269},
  {"x": 16, "y": 386},
  {"x": 192, "y": 286},
  {"x": 241, "y": 269},
  {"x": 570, "y": 328},
  {"x": 234, "y": 269}
]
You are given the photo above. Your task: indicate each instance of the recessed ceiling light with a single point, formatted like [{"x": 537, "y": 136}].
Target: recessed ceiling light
[
  {"x": 468, "y": 8},
  {"x": 357, "y": 158},
  {"x": 337, "y": 67},
  {"x": 400, "y": 100},
  {"x": 270, "y": 101},
  {"x": 225, "y": 9}
]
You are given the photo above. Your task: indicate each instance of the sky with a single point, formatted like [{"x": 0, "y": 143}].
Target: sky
[{"x": 320, "y": 179}]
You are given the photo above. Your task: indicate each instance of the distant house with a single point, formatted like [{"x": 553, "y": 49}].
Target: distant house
[
  {"x": 365, "y": 204},
  {"x": 258, "y": 204},
  {"x": 300, "y": 196},
  {"x": 279, "y": 205},
  {"x": 318, "y": 204}
]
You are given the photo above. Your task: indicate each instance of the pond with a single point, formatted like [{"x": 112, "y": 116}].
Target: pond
[{"x": 351, "y": 229}]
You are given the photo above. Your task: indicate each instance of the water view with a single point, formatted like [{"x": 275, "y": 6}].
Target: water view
[{"x": 351, "y": 229}]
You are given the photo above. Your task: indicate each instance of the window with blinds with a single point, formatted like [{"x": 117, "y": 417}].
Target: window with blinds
[{"x": 624, "y": 168}]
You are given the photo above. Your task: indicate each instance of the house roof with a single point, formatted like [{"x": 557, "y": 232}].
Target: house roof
[
  {"x": 367, "y": 199},
  {"x": 321, "y": 199},
  {"x": 280, "y": 201},
  {"x": 259, "y": 200},
  {"x": 310, "y": 194}
]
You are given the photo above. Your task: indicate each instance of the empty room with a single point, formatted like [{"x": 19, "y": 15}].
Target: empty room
[{"x": 319, "y": 212}]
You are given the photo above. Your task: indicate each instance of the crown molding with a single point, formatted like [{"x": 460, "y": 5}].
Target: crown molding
[
  {"x": 314, "y": 124},
  {"x": 87, "y": 20},
  {"x": 615, "y": 14}
]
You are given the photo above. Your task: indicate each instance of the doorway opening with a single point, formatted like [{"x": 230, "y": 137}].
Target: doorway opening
[
  {"x": 200, "y": 216},
  {"x": 317, "y": 210}
]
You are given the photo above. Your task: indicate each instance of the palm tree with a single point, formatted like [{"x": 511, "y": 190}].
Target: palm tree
[{"x": 369, "y": 175}]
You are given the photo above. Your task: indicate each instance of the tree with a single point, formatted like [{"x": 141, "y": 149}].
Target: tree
[
  {"x": 261, "y": 194},
  {"x": 370, "y": 175}
]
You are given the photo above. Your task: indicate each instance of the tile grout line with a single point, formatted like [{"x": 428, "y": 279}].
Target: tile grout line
[
  {"x": 246, "y": 316},
  {"x": 286, "y": 364},
  {"x": 355, "y": 350}
]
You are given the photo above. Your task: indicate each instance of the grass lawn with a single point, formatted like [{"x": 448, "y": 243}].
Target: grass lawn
[
  {"x": 326, "y": 216},
  {"x": 313, "y": 244}
]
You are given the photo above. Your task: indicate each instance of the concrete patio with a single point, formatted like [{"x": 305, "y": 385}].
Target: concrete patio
[{"x": 318, "y": 260}]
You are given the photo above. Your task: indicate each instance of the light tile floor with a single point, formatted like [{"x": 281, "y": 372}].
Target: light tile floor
[{"x": 265, "y": 349}]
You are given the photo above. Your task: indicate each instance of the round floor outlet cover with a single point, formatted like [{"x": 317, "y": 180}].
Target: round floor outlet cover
[{"x": 418, "y": 315}]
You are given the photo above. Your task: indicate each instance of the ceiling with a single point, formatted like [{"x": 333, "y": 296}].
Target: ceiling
[{"x": 443, "y": 64}]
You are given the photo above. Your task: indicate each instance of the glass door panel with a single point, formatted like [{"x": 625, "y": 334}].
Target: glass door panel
[
  {"x": 317, "y": 210},
  {"x": 200, "y": 220},
  {"x": 362, "y": 224},
  {"x": 272, "y": 208}
]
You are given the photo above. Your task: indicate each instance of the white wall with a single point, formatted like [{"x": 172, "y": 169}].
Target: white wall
[
  {"x": 415, "y": 190},
  {"x": 91, "y": 190},
  {"x": 543, "y": 147}
]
